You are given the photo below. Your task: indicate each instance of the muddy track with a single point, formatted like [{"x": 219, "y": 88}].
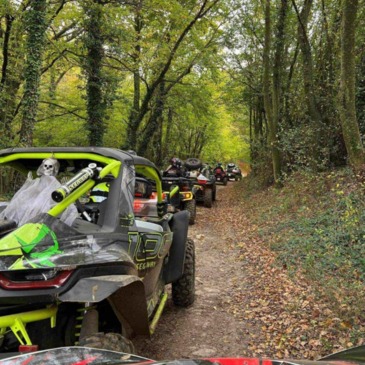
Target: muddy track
[{"x": 208, "y": 327}]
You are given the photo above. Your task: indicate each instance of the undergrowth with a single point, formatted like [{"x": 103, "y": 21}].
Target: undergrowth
[{"x": 316, "y": 224}]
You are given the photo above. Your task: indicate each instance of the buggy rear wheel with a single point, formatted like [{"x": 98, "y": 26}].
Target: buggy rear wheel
[
  {"x": 109, "y": 341},
  {"x": 183, "y": 289}
]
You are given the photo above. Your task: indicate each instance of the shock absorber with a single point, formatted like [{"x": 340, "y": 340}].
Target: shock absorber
[{"x": 87, "y": 322}]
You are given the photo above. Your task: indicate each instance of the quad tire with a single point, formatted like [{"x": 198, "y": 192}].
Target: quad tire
[
  {"x": 183, "y": 289},
  {"x": 190, "y": 206},
  {"x": 109, "y": 341},
  {"x": 225, "y": 181},
  {"x": 208, "y": 198},
  {"x": 193, "y": 164},
  {"x": 214, "y": 193}
]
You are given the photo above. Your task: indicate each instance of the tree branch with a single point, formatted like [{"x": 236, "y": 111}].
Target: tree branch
[{"x": 73, "y": 112}]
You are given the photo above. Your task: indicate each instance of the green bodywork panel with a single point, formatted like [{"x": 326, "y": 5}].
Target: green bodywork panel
[{"x": 23, "y": 241}]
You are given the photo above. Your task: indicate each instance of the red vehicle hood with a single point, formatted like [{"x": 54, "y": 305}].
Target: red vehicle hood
[{"x": 85, "y": 356}]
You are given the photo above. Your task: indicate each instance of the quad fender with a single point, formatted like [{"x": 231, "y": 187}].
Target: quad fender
[
  {"x": 125, "y": 294},
  {"x": 356, "y": 354},
  {"x": 179, "y": 226}
]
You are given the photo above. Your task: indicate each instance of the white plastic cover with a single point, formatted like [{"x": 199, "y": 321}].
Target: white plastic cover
[
  {"x": 202, "y": 177},
  {"x": 194, "y": 173},
  {"x": 33, "y": 198}
]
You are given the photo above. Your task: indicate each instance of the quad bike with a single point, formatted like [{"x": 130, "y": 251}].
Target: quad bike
[
  {"x": 179, "y": 192},
  {"x": 185, "y": 200},
  {"x": 204, "y": 182},
  {"x": 234, "y": 172},
  {"x": 220, "y": 175},
  {"x": 76, "y": 272},
  {"x": 237, "y": 173}
]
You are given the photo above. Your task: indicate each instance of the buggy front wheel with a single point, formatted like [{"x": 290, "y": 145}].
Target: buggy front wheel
[{"x": 183, "y": 289}]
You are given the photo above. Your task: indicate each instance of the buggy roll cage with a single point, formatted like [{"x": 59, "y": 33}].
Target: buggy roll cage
[{"x": 111, "y": 161}]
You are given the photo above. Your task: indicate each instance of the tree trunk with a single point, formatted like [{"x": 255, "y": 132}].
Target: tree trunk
[
  {"x": 277, "y": 104},
  {"x": 154, "y": 120},
  {"x": 166, "y": 139},
  {"x": 10, "y": 80},
  {"x": 266, "y": 64},
  {"x": 34, "y": 52},
  {"x": 350, "y": 127},
  {"x": 309, "y": 87},
  {"x": 95, "y": 102},
  {"x": 270, "y": 102},
  {"x": 132, "y": 131}
]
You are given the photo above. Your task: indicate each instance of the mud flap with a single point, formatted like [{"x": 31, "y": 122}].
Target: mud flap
[
  {"x": 175, "y": 267},
  {"x": 125, "y": 293}
]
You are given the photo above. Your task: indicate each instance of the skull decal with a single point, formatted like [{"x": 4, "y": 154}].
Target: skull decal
[{"x": 49, "y": 167}]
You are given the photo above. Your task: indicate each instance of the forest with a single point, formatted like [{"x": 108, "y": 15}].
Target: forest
[{"x": 277, "y": 84}]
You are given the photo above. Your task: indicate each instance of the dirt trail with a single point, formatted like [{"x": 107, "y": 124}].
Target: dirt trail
[
  {"x": 247, "y": 304},
  {"x": 207, "y": 328}
]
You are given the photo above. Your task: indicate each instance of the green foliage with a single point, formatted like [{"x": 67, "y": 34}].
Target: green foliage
[
  {"x": 86, "y": 87},
  {"x": 213, "y": 80},
  {"x": 316, "y": 226},
  {"x": 305, "y": 141}
]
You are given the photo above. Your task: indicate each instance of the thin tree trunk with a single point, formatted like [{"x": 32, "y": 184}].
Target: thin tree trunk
[
  {"x": 9, "y": 83},
  {"x": 309, "y": 88},
  {"x": 95, "y": 103},
  {"x": 266, "y": 64},
  {"x": 165, "y": 149},
  {"x": 34, "y": 51},
  {"x": 350, "y": 127},
  {"x": 152, "y": 125},
  {"x": 268, "y": 99},
  {"x": 278, "y": 70},
  {"x": 288, "y": 87},
  {"x": 136, "y": 75},
  {"x": 4, "y": 69}
]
